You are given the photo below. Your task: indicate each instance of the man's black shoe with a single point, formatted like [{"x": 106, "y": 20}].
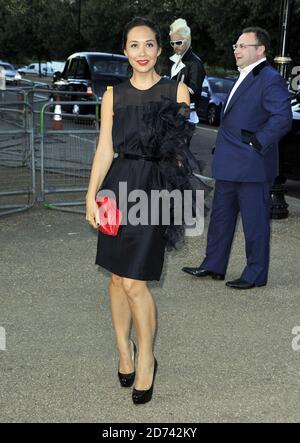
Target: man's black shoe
[
  {"x": 240, "y": 283},
  {"x": 199, "y": 272}
]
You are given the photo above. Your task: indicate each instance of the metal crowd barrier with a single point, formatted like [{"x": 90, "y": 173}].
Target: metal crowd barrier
[
  {"x": 17, "y": 163},
  {"x": 46, "y": 150},
  {"x": 38, "y": 97},
  {"x": 67, "y": 147}
]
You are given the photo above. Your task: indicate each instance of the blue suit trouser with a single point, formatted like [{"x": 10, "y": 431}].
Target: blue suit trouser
[{"x": 252, "y": 200}]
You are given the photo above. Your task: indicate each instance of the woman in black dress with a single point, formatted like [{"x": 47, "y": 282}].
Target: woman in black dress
[{"x": 144, "y": 121}]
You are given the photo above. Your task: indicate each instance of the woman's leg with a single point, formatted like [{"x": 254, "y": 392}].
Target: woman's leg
[
  {"x": 121, "y": 317},
  {"x": 144, "y": 318}
]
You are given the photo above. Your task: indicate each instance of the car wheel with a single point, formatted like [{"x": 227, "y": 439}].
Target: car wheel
[{"x": 213, "y": 115}]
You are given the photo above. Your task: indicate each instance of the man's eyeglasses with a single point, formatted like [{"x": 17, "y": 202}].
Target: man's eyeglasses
[
  {"x": 177, "y": 43},
  {"x": 242, "y": 46}
]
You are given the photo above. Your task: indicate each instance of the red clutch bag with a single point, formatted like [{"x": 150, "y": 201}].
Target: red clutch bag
[{"x": 110, "y": 216}]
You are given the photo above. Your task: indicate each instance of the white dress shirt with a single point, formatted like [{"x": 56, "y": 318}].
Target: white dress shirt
[
  {"x": 243, "y": 74},
  {"x": 177, "y": 66}
]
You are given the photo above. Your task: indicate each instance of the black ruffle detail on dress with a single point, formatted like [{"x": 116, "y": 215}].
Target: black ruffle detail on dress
[{"x": 166, "y": 126}]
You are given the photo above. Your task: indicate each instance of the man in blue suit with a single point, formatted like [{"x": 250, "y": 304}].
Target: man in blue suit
[{"x": 256, "y": 114}]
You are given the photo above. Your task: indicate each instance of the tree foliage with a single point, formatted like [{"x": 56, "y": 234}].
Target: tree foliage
[{"x": 42, "y": 30}]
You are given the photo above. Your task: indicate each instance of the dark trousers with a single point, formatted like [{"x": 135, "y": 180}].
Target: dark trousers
[{"x": 252, "y": 200}]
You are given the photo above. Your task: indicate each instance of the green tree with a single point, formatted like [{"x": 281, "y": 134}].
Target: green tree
[
  {"x": 39, "y": 29},
  {"x": 36, "y": 29}
]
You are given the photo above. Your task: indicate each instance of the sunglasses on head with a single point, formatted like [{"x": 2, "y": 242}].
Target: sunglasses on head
[{"x": 177, "y": 42}]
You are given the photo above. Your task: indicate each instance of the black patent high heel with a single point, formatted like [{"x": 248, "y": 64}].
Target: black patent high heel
[
  {"x": 126, "y": 380},
  {"x": 141, "y": 397}
]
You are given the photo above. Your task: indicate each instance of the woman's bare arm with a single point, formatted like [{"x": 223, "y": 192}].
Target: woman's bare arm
[
  {"x": 103, "y": 157},
  {"x": 183, "y": 95}
]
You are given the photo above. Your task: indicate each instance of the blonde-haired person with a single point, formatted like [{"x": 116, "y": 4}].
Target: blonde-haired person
[{"x": 187, "y": 66}]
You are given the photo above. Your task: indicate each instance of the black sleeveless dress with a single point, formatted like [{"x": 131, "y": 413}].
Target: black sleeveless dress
[{"x": 150, "y": 135}]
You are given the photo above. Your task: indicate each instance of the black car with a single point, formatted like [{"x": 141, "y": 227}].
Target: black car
[
  {"x": 214, "y": 92},
  {"x": 90, "y": 73},
  {"x": 289, "y": 147}
]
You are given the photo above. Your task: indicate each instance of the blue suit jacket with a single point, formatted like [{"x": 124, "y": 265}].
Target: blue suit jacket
[{"x": 259, "y": 112}]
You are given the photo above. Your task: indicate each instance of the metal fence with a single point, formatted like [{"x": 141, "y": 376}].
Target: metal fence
[
  {"x": 67, "y": 147},
  {"x": 17, "y": 170},
  {"x": 46, "y": 150}
]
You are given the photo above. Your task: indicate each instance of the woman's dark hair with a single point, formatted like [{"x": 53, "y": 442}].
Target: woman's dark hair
[{"x": 140, "y": 21}]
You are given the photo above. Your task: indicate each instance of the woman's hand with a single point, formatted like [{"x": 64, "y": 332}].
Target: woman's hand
[{"x": 92, "y": 213}]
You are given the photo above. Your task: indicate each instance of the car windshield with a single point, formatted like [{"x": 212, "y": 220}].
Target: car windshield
[
  {"x": 109, "y": 67},
  {"x": 6, "y": 66},
  {"x": 221, "y": 85}
]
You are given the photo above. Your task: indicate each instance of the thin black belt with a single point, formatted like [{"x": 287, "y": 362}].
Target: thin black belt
[{"x": 139, "y": 157}]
